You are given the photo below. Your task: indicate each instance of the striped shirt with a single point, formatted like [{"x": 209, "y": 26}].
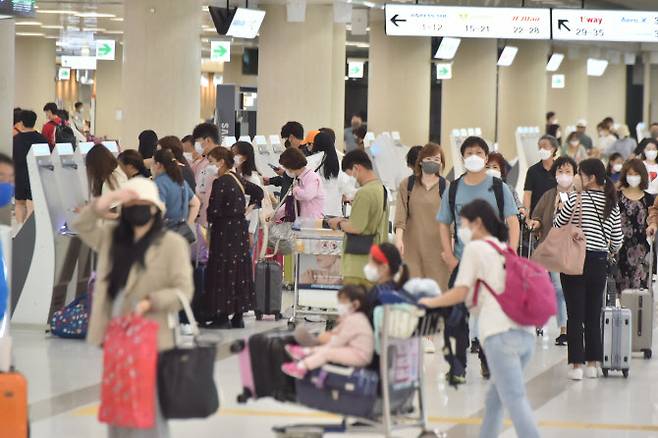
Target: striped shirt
[{"x": 597, "y": 240}]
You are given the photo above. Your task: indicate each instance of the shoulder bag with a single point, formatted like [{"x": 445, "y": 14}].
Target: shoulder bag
[
  {"x": 360, "y": 244},
  {"x": 612, "y": 266},
  {"x": 564, "y": 248},
  {"x": 281, "y": 238},
  {"x": 181, "y": 226}
]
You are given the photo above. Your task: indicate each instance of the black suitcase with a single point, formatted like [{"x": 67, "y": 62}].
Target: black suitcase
[
  {"x": 267, "y": 352},
  {"x": 269, "y": 277}
]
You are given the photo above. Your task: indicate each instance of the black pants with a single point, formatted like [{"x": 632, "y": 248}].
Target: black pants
[
  {"x": 456, "y": 328},
  {"x": 584, "y": 297}
]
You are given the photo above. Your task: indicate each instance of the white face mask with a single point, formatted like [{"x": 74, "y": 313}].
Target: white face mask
[
  {"x": 371, "y": 272},
  {"x": 474, "y": 163},
  {"x": 617, "y": 167},
  {"x": 565, "y": 181},
  {"x": 574, "y": 143},
  {"x": 465, "y": 235},
  {"x": 188, "y": 156},
  {"x": 238, "y": 160},
  {"x": 651, "y": 155},
  {"x": 198, "y": 147},
  {"x": 212, "y": 169},
  {"x": 545, "y": 154},
  {"x": 495, "y": 173},
  {"x": 290, "y": 174},
  {"x": 344, "y": 309},
  {"x": 633, "y": 180}
]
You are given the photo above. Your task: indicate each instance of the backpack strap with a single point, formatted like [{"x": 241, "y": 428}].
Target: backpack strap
[
  {"x": 497, "y": 188},
  {"x": 479, "y": 282},
  {"x": 442, "y": 185},
  {"x": 452, "y": 198},
  {"x": 410, "y": 186}
]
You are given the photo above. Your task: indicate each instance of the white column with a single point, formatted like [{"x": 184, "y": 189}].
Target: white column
[
  {"x": 6, "y": 83},
  {"x": 161, "y": 67},
  {"x": 34, "y": 80}
]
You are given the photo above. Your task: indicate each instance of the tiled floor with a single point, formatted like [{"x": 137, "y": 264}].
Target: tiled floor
[{"x": 64, "y": 376}]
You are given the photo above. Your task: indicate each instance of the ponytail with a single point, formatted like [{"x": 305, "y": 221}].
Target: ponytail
[
  {"x": 610, "y": 196},
  {"x": 166, "y": 158},
  {"x": 389, "y": 254},
  {"x": 402, "y": 276},
  {"x": 594, "y": 167}
]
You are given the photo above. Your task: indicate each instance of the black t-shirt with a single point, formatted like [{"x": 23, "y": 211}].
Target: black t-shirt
[
  {"x": 21, "y": 146},
  {"x": 538, "y": 180}
]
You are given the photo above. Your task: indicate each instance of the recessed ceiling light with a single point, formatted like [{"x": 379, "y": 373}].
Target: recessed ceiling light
[
  {"x": 52, "y": 26},
  {"x": 57, "y": 11},
  {"x": 116, "y": 19},
  {"x": 113, "y": 32},
  {"x": 40, "y": 34},
  {"x": 28, "y": 23},
  {"x": 93, "y": 15},
  {"x": 93, "y": 29}
]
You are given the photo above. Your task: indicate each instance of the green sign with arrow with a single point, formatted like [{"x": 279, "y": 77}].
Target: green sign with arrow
[
  {"x": 220, "y": 51},
  {"x": 106, "y": 50}
]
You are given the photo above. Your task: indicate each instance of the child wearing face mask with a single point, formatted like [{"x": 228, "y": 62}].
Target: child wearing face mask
[
  {"x": 350, "y": 343},
  {"x": 634, "y": 204},
  {"x": 615, "y": 164},
  {"x": 650, "y": 153}
]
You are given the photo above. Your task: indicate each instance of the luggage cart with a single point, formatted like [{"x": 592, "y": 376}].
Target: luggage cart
[
  {"x": 317, "y": 277},
  {"x": 395, "y": 412}
]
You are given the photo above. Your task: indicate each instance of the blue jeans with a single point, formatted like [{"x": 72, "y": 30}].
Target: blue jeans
[
  {"x": 561, "y": 303},
  {"x": 508, "y": 353}
]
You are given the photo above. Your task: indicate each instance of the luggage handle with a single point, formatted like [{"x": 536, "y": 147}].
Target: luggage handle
[{"x": 651, "y": 256}]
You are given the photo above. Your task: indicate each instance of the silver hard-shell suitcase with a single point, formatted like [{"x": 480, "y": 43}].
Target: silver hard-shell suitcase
[
  {"x": 641, "y": 304},
  {"x": 616, "y": 323}
]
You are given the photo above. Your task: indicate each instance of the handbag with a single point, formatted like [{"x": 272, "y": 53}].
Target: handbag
[
  {"x": 181, "y": 226},
  {"x": 360, "y": 244},
  {"x": 611, "y": 262},
  {"x": 281, "y": 237},
  {"x": 186, "y": 384},
  {"x": 564, "y": 248},
  {"x": 130, "y": 354}
]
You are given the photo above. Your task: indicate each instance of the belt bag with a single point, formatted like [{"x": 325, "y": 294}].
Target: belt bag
[{"x": 358, "y": 244}]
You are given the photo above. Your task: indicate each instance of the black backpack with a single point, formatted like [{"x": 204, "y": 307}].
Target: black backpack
[
  {"x": 410, "y": 186},
  {"x": 65, "y": 134},
  {"x": 496, "y": 187}
]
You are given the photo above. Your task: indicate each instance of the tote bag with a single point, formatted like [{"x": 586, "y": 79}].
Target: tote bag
[{"x": 564, "y": 248}]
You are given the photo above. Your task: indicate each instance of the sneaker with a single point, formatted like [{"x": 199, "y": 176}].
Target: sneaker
[
  {"x": 591, "y": 372},
  {"x": 576, "y": 374},
  {"x": 475, "y": 346},
  {"x": 186, "y": 330},
  {"x": 428, "y": 345},
  {"x": 455, "y": 379},
  {"x": 292, "y": 370},
  {"x": 561, "y": 340},
  {"x": 296, "y": 352}
]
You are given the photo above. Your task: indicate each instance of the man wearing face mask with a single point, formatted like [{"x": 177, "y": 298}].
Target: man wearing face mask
[
  {"x": 292, "y": 134},
  {"x": 539, "y": 179},
  {"x": 206, "y": 138},
  {"x": 368, "y": 221},
  {"x": 475, "y": 184}
]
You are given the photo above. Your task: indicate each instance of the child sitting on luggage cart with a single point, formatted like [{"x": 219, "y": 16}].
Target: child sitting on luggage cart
[{"x": 350, "y": 343}]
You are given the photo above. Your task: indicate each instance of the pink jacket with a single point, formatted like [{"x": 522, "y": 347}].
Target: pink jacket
[
  {"x": 308, "y": 190},
  {"x": 354, "y": 330}
]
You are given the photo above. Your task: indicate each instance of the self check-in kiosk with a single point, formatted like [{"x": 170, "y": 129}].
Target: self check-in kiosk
[{"x": 527, "y": 150}]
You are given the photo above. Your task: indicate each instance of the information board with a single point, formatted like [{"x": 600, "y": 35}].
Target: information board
[
  {"x": 468, "y": 22},
  {"x": 595, "y": 25}
]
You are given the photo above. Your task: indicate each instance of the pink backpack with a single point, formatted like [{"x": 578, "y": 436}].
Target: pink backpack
[{"x": 529, "y": 295}]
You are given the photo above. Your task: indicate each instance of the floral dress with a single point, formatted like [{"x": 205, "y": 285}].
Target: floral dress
[{"x": 633, "y": 256}]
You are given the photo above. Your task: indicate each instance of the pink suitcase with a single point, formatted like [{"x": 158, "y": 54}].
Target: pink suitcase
[{"x": 246, "y": 374}]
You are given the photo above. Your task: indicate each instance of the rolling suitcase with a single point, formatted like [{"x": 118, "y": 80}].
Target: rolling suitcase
[
  {"x": 269, "y": 277},
  {"x": 616, "y": 323},
  {"x": 641, "y": 304},
  {"x": 13, "y": 405}
]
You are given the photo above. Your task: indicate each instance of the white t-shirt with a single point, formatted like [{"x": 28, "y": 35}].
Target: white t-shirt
[
  {"x": 334, "y": 188},
  {"x": 481, "y": 261},
  {"x": 652, "y": 170}
]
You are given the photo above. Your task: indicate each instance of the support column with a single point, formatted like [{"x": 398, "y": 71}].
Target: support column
[
  {"x": 108, "y": 100},
  {"x": 161, "y": 67},
  {"x": 570, "y": 102},
  {"x": 35, "y": 74},
  {"x": 6, "y": 84},
  {"x": 606, "y": 97},
  {"x": 469, "y": 98},
  {"x": 521, "y": 93},
  {"x": 646, "y": 98},
  {"x": 297, "y": 64},
  {"x": 399, "y": 73}
]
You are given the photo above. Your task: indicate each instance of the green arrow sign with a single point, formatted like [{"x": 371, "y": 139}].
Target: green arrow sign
[
  {"x": 104, "y": 50},
  {"x": 220, "y": 51}
]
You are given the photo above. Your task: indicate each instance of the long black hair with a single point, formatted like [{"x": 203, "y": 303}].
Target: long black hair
[
  {"x": 166, "y": 158},
  {"x": 395, "y": 264},
  {"x": 148, "y": 140},
  {"x": 248, "y": 166},
  {"x": 125, "y": 252},
  {"x": 594, "y": 167},
  {"x": 131, "y": 157},
  {"x": 481, "y": 209},
  {"x": 323, "y": 143}
]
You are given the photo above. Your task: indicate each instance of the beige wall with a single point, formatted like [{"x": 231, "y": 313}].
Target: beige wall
[
  {"x": 233, "y": 73},
  {"x": 399, "y": 85},
  {"x": 108, "y": 96},
  {"x": 606, "y": 97},
  {"x": 6, "y": 86},
  {"x": 469, "y": 98},
  {"x": 162, "y": 67},
  {"x": 296, "y": 79},
  {"x": 571, "y": 102},
  {"x": 521, "y": 93},
  {"x": 35, "y": 74}
]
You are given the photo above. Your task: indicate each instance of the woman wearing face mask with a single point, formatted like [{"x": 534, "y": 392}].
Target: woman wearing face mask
[
  {"x": 601, "y": 224},
  {"x": 173, "y": 144},
  {"x": 136, "y": 270},
  {"x": 573, "y": 149},
  {"x": 307, "y": 186},
  {"x": 634, "y": 204},
  {"x": 387, "y": 271},
  {"x": 351, "y": 343},
  {"x": 132, "y": 164},
  {"x": 229, "y": 279},
  {"x": 615, "y": 164},
  {"x": 104, "y": 174},
  {"x": 508, "y": 346},
  {"x": 497, "y": 167},
  {"x": 649, "y": 154},
  {"x": 538, "y": 178},
  {"x": 548, "y": 206}
]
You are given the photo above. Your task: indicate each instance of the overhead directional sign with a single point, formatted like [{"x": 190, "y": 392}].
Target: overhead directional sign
[
  {"x": 220, "y": 51},
  {"x": 106, "y": 50},
  {"x": 594, "y": 25},
  {"x": 468, "y": 22}
]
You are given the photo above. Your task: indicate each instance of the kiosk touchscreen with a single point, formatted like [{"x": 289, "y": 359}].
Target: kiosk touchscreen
[{"x": 264, "y": 156}]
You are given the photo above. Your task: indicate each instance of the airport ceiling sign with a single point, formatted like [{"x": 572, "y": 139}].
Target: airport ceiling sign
[
  {"x": 468, "y": 22},
  {"x": 595, "y": 25},
  {"x": 105, "y": 50}
]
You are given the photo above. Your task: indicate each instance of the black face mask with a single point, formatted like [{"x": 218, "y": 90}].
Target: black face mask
[{"x": 137, "y": 215}]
